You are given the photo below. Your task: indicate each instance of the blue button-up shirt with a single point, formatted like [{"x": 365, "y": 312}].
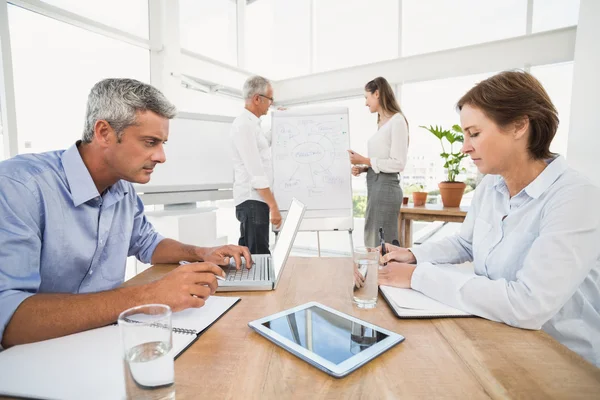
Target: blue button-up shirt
[
  {"x": 536, "y": 257},
  {"x": 59, "y": 235}
]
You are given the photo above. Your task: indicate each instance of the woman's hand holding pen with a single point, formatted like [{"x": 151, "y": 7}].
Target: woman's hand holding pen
[{"x": 395, "y": 253}]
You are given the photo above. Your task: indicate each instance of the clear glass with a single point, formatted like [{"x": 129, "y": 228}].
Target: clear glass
[
  {"x": 277, "y": 38},
  {"x": 149, "y": 368},
  {"x": 129, "y": 16},
  {"x": 354, "y": 32},
  {"x": 209, "y": 28},
  {"x": 554, "y": 14},
  {"x": 434, "y": 25},
  {"x": 365, "y": 273},
  {"x": 55, "y": 65}
]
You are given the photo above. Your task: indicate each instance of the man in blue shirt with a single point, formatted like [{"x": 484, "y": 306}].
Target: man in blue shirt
[{"x": 70, "y": 218}]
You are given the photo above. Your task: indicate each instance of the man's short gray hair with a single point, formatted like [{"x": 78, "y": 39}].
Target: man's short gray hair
[
  {"x": 255, "y": 85},
  {"x": 118, "y": 100}
]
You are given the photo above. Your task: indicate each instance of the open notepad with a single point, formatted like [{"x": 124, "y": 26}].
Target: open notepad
[
  {"x": 89, "y": 365},
  {"x": 408, "y": 303}
]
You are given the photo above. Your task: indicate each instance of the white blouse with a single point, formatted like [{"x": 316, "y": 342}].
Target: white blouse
[
  {"x": 388, "y": 147},
  {"x": 536, "y": 257}
]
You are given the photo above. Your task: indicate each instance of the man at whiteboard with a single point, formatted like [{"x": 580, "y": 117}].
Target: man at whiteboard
[{"x": 253, "y": 169}]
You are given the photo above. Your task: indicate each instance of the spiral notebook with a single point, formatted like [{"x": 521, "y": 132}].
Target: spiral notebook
[
  {"x": 89, "y": 365},
  {"x": 408, "y": 303}
]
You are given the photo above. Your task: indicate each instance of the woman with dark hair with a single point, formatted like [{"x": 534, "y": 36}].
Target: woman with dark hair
[
  {"x": 532, "y": 231},
  {"x": 386, "y": 159}
]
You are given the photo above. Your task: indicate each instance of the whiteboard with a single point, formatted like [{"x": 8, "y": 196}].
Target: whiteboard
[
  {"x": 198, "y": 153},
  {"x": 310, "y": 160}
]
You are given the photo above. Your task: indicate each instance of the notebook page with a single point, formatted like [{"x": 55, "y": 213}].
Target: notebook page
[
  {"x": 83, "y": 365},
  {"x": 198, "y": 319},
  {"x": 416, "y": 303}
]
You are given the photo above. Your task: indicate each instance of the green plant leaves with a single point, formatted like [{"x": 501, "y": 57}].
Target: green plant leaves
[{"x": 451, "y": 160}]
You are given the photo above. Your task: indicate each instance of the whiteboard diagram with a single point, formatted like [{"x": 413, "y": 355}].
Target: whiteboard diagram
[{"x": 310, "y": 159}]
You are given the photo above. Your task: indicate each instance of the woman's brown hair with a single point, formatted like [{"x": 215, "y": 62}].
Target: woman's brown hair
[
  {"x": 510, "y": 96},
  {"x": 387, "y": 100}
]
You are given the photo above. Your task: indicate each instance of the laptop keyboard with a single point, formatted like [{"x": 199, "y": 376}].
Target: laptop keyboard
[{"x": 258, "y": 272}]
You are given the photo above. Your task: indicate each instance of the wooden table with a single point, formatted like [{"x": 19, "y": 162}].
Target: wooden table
[
  {"x": 468, "y": 358},
  {"x": 428, "y": 213}
]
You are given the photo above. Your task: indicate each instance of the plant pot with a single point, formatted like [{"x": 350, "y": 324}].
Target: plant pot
[
  {"x": 405, "y": 200},
  {"x": 452, "y": 193},
  {"x": 419, "y": 198}
]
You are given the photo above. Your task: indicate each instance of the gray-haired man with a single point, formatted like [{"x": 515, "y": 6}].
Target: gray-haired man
[
  {"x": 253, "y": 169},
  {"x": 70, "y": 218}
]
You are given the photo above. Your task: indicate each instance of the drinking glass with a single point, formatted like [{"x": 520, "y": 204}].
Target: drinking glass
[
  {"x": 366, "y": 268},
  {"x": 146, "y": 333}
]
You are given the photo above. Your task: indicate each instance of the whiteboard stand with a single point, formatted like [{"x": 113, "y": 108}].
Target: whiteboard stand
[{"x": 314, "y": 221}]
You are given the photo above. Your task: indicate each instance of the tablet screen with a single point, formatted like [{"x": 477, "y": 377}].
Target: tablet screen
[{"x": 332, "y": 337}]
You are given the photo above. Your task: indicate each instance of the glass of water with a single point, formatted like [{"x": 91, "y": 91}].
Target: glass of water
[
  {"x": 366, "y": 268},
  {"x": 147, "y": 341}
]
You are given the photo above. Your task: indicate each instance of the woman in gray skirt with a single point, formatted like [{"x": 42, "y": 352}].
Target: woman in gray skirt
[{"x": 387, "y": 150}]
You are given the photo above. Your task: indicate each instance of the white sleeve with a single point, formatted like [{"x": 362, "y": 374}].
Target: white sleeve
[
  {"x": 458, "y": 248},
  {"x": 398, "y": 149},
  {"x": 244, "y": 140},
  {"x": 557, "y": 263}
]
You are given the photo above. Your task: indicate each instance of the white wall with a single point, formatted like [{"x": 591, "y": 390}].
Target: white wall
[{"x": 584, "y": 135}]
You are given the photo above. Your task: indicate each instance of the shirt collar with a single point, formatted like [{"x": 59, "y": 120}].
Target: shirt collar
[
  {"x": 80, "y": 181},
  {"x": 251, "y": 116},
  {"x": 555, "y": 168},
  {"x": 81, "y": 184}
]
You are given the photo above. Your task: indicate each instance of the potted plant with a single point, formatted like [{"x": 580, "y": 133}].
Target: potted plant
[
  {"x": 451, "y": 190},
  {"x": 419, "y": 196}
]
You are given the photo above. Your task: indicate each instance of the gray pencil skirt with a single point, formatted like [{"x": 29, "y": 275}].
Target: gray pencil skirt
[{"x": 384, "y": 198}]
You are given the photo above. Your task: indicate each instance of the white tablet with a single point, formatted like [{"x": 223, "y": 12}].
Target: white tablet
[{"x": 332, "y": 341}]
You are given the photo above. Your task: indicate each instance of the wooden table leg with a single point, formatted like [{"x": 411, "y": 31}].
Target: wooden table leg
[{"x": 408, "y": 233}]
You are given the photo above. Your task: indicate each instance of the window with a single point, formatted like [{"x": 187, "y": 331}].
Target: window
[
  {"x": 558, "y": 80},
  {"x": 432, "y": 103},
  {"x": 55, "y": 65},
  {"x": 205, "y": 103},
  {"x": 554, "y": 14},
  {"x": 129, "y": 16},
  {"x": 209, "y": 27},
  {"x": 278, "y": 38},
  {"x": 354, "y": 32},
  {"x": 434, "y": 25}
]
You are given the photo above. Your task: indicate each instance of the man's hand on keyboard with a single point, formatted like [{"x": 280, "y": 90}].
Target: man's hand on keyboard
[{"x": 222, "y": 255}]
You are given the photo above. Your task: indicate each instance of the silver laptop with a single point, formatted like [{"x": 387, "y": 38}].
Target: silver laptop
[{"x": 267, "y": 269}]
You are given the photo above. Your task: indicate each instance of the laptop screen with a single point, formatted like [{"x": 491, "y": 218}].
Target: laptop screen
[{"x": 285, "y": 238}]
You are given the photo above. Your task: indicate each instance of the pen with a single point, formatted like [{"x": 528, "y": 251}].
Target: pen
[
  {"x": 382, "y": 241},
  {"x": 183, "y": 262}
]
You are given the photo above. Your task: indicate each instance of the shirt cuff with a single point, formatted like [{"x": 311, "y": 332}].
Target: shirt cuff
[
  {"x": 419, "y": 255},
  {"x": 441, "y": 282},
  {"x": 260, "y": 182},
  {"x": 10, "y": 300},
  {"x": 374, "y": 166},
  {"x": 146, "y": 255}
]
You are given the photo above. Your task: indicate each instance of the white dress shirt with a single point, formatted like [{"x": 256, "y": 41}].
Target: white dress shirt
[
  {"x": 388, "y": 147},
  {"x": 251, "y": 158},
  {"x": 536, "y": 258}
]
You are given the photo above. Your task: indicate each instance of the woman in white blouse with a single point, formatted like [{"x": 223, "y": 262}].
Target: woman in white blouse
[
  {"x": 386, "y": 159},
  {"x": 532, "y": 231}
]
